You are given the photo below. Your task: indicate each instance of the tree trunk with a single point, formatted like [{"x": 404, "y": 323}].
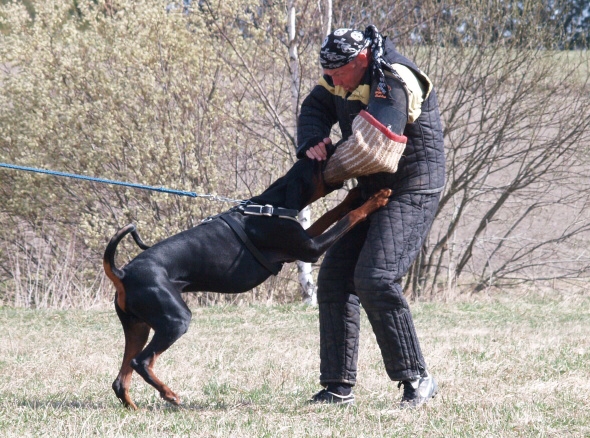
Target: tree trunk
[{"x": 306, "y": 281}]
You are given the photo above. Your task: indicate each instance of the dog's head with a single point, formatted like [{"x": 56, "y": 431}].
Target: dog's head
[{"x": 299, "y": 187}]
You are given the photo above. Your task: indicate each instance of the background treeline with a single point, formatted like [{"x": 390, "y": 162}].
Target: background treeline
[{"x": 202, "y": 96}]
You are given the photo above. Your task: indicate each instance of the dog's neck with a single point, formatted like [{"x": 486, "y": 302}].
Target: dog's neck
[{"x": 299, "y": 187}]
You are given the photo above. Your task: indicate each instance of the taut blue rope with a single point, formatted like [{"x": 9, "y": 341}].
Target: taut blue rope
[{"x": 121, "y": 183}]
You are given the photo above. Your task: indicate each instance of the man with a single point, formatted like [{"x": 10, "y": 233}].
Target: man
[{"x": 363, "y": 73}]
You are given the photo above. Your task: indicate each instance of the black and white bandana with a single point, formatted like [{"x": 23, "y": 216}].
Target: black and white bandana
[
  {"x": 376, "y": 42},
  {"x": 341, "y": 47}
]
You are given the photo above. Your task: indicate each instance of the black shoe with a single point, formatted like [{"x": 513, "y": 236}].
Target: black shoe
[
  {"x": 325, "y": 396},
  {"x": 418, "y": 391}
]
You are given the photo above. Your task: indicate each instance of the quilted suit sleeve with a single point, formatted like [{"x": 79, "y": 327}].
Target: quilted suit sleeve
[{"x": 317, "y": 116}]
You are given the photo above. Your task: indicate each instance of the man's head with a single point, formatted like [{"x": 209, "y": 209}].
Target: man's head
[{"x": 345, "y": 56}]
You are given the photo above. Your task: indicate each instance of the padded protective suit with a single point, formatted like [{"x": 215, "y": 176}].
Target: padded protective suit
[{"x": 366, "y": 265}]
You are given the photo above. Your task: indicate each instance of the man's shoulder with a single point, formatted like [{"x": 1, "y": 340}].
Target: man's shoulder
[
  {"x": 389, "y": 48},
  {"x": 393, "y": 56}
]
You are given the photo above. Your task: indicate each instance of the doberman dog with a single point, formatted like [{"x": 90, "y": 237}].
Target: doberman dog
[{"x": 213, "y": 257}]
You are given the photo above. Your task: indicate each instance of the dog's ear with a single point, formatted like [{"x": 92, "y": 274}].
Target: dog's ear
[{"x": 318, "y": 189}]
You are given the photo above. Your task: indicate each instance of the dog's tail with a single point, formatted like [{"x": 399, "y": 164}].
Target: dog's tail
[{"x": 108, "y": 261}]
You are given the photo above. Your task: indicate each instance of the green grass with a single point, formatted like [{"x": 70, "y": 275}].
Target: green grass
[{"x": 506, "y": 365}]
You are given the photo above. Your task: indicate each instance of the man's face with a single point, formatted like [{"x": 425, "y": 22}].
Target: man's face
[{"x": 349, "y": 76}]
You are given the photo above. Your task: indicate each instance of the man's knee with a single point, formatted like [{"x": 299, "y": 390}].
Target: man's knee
[
  {"x": 334, "y": 286},
  {"x": 333, "y": 295},
  {"x": 378, "y": 291}
]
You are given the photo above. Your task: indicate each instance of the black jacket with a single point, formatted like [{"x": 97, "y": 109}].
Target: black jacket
[{"x": 422, "y": 167}]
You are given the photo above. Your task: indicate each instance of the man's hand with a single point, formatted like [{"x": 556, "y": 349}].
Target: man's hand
[{"x": 319, "y": 152}]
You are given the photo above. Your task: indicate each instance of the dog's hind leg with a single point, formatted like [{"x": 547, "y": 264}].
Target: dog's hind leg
[
  {"x": 136, "y": 336},
  {"x": 170, "y": 325}
]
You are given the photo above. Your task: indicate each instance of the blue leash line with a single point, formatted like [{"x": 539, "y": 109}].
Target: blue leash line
[{"x": 119, "y": 183}]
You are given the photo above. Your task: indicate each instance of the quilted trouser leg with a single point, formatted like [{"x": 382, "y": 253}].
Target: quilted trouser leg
[
  {"x": 398, "y": 341},
  {"x": 339, "y": 309},
  {"x": 395, "y": 236}
]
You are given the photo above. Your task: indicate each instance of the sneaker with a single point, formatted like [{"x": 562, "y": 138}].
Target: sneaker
[
  {"x": 418, "y": 391},
  {"x": 325, "y": 396}
]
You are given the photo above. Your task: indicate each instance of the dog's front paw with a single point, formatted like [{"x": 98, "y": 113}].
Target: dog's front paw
[
  {"x": 170, "y": 397},
  {"x": 381, "y": 198}
]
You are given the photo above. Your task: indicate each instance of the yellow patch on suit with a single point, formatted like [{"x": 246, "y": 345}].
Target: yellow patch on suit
[{"x": 416, "y": 92}]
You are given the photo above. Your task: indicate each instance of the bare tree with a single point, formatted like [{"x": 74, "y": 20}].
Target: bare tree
[
  {"x": 306, "y": 280},
  {"x": 516, "y": 124},
  {"x": 207, "y": 101},
  {"x": 515, "y": 114}
]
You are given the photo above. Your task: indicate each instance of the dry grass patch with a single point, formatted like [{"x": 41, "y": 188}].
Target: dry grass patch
[{"x": 506, "y": 365}]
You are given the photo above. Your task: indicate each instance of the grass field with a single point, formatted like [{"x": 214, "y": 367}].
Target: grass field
[{"x": 506, "y": 365}]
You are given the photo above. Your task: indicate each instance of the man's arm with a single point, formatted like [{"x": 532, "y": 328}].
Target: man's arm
[
  {"x": 317, "y": 116},
  {"x": 377, "y": 143},
  {"x": 390, "y": 106}
]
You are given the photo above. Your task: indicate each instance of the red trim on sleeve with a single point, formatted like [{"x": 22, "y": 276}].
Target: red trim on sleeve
[{"x": 381, "y": 127}]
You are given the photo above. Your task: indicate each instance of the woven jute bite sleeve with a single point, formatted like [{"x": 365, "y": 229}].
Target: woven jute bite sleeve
[{"x": 371, "y": 148}]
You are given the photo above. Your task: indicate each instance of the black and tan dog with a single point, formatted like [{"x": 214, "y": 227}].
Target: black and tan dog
[{"x": 230, "y": 253}]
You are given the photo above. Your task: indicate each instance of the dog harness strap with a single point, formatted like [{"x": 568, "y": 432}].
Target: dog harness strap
[
  {"x": 234, "y": 225},
  {"x": 268, "y": 210}
]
